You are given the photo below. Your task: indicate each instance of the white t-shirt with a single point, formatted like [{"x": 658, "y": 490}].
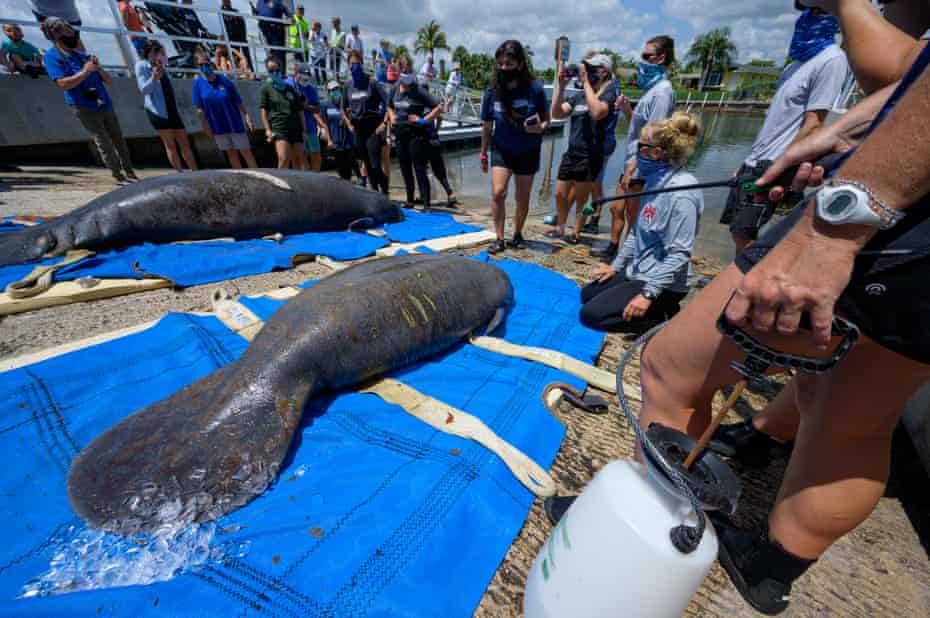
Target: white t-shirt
[
  {"x": 355, "y": 42},
  {"x": 804, "y": 87},
  {"x": 428, "y": 70},
  {"x": 455, "y": 79}
]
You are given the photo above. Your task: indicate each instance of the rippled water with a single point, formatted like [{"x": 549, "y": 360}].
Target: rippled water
[{"x": 724, "y": 142}]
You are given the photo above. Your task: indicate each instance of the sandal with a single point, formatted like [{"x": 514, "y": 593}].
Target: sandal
[
  {"x": 497, "y": 246},
  {"x": 572, "y": 239},
  {"x": 517, "y": 242},
  {"x": 553, "y": 234},
  {"x": 452, "y": 201}
]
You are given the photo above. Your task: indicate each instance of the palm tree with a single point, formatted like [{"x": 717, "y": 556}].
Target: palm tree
[
  {"x": 712, "y": 50},
  {"x": 460, "y": 54},
  {"x": 430, "y": 38}
]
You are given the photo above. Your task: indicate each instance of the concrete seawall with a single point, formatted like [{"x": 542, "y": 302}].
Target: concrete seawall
[{"x": 38, "y": 126}]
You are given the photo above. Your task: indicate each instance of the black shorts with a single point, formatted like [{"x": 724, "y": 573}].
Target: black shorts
[
  {"x": 891, "y": 306},
  {"x": 522, "y": 164},
  {"x": 171, "y": 123},
  {"x": 291, "y": 137},
  {"x": 744, "y": 217},
  {"x": 580, "y": 168}
]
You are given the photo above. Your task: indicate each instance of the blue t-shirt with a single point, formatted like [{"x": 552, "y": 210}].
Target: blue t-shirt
[
  {"x": 381, "y": 73},
  {"x": 310, "y": 98},
  {"x": 58, "y": 66},
  {"x": 219, "y": 101},
  {"x": 508, "y": 135},
  {"x": 272, "y": 8},
  {"x": 332, "y": 115}
]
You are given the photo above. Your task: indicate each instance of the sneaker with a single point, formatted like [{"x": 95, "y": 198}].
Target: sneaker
[
  {"x": 517, "y": 242},
  {"x": 760, "y": 568},
  {"x": 497, "y": 246},
  {"x": 744, "y": 443},
  {"x": 607, "y": 253}
]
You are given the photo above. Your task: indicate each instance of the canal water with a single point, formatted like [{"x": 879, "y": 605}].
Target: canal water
[{"x": 724, "y": 142}]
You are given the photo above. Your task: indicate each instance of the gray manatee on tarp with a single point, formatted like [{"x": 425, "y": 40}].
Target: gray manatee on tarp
[
  {"x": 215, "y": 445},
  {"x": 201, "y": 205}
]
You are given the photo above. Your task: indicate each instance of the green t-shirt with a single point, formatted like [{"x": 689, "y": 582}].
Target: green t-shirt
[
  {"x": 27, "y": 51},
  {"x": 284, "y": 108}
]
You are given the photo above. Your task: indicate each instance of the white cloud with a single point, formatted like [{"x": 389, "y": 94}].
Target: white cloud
[{"x": 761, "y": 28}]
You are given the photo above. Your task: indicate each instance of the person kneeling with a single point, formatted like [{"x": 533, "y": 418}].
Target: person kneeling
[{"x": 649, "y": 277}]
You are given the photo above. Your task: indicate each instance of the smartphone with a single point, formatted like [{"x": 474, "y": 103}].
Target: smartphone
[
  {"x": 571, "y": 72},
  {"x": 532, "y": 121}
]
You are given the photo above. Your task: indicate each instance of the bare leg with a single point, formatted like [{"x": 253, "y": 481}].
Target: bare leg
[
  {"x": 500, "y": 176},
  {"x": 282, "y": 149},
  {"x": 582, "y": 193},
  {"x": 167, "y": 139},
  {"x": 563, "y": 204},
  {"x": 180, "y": 136},
  {"x": 839, "y": 465},
  {"x": 630, "y": 211},
  {"x": 523, "y": 186},
  {"x": 233, "y": 157},
  {"x": 316, "y": 161},
  {"x": 298, "y": 160},
  {"x": 249, "y": 157}
]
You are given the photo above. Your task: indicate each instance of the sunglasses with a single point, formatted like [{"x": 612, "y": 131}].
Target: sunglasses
[
  {"x": 645, "y": 145},
  {"x": 647, "y": 56}
]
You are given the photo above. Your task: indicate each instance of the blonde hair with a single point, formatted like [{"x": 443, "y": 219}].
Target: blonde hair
[{"x": 675, "y": 135}]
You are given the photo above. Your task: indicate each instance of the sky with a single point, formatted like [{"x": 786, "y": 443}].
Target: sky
[{"x": 761, "y": 29}]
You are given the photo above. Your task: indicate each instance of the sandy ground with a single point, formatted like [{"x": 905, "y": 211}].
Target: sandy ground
[{"x": 880, "y": 569}]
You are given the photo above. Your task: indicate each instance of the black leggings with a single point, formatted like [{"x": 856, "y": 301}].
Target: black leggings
[
  {"x": 345, "y": 160},
  {"x": 368, "y": 149},
  {"x": 413, "y": 151},
  {"x": 438, "y": 165},
  {"x": 603, "y": 304}
]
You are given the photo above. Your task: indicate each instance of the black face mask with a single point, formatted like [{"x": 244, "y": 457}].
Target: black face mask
[
  {"x": 71, "y": 41},
  {"x": 505, "y": 76}
]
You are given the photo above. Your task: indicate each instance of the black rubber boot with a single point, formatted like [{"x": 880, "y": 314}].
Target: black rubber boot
[
  {"x": 744, "y": 443},
  {"x": 607, "y": 253},
  {"x": 760, "y": 568},
  {"x": 591, "y": 226}
]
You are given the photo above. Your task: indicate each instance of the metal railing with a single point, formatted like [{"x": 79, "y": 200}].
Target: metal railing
[{"x": 123, "y": 36}]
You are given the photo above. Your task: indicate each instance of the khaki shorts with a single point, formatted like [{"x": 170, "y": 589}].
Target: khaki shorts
[{"x": 232, "y": 141}]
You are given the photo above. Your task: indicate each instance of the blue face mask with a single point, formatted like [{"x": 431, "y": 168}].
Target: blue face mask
[
  {"x": 652, "y": 170},
  {"x": 335, "y": 95},
  {"x": 207, "y": 70},
  {"x": 812, "y": 34},
  {"x": 358, "y": 75},
  {"x": 648, "y": 75}
]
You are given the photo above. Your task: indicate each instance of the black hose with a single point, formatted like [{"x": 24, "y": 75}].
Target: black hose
[
  {"x": 685, "y": 538},
  {"x": 732, "y": 182}
]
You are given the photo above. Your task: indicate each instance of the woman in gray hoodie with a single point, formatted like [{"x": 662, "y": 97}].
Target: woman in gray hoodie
[{"x": 649, "y": 277}]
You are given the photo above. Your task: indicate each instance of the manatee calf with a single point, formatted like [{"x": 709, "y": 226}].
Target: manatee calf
[
  {"x": 217, "y": 444},
  {"x": 201, "y": 205}
]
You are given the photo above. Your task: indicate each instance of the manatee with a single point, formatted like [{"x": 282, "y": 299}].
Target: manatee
[
  {"x": 201, "y": 205},
  {"x": 215, "y": 445}
]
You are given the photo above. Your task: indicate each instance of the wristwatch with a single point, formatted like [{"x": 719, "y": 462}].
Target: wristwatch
[
  {"x": 843, "y": 201},
  {"x": 649, "y": 294}
]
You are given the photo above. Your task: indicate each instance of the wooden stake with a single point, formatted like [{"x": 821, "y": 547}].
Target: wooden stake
[{"x": 705, "y": 437}]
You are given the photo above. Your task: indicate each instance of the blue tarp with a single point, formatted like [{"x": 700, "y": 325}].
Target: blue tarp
[
  {"x": 207, "y": 262},
  {"x": 376, "y": 514}
]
